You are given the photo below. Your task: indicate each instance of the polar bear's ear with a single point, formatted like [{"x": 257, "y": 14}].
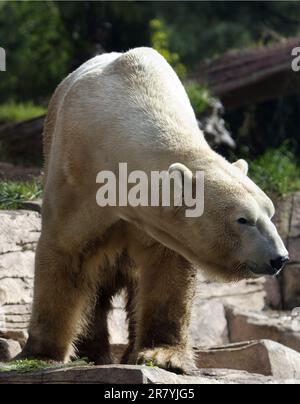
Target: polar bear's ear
[
  {"x": 184, "y": 174},
  {"x": 242, "y": 165},
  {"x": 178, "y": 167}
]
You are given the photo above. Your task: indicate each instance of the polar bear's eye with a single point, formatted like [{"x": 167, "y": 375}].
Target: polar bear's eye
[{"x": 243, "y": 221}]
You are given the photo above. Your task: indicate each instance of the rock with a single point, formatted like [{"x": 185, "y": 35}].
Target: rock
[
  {"x": 19, "y": 234},
  {"x": 291, "y": 276},
  {"x": 294, "y": 250},
  {"x": 15, "y": 320},
  {"x": 16, "y": 277},
  {"x": 275, "y": 326},
  {"x": 208, "y": 324},
  {"x": 20, "y": 231},
  {"x": 117, "y": 322},
  {"x": 8, "y": 349},
  {"x": 258, "y": 294},
  {"x": 122, "y": 374},
  {"x": 295, "y": 219},
  {"x": 18, "y": 336},
  {"x": 35, "y": 206},
  {"x": 283, "y": 216},
  {"x": 213, "y": 125},
  {"x": 225, "y": 377},
  {"x": 264, "y": 357},
  {"x": 291, "y": 287}
]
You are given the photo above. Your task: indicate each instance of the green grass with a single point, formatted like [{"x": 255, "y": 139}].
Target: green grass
[
  {"x": 150, "y": 364},
  {"x": 12, "y": 194},
  {"x": 26, "y": 366},
  {"x": 277, "y": 171},
  {"x": 15, "y": 112},
  {"x": 199, "y": 97}
]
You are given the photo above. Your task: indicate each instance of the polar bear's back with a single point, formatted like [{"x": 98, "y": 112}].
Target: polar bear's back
[{"x": 133, "y": 101}]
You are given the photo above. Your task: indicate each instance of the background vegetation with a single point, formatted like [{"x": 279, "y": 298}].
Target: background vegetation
[
  {"x": 51, "y": 38},
  {"x": 46, "y": 40}
]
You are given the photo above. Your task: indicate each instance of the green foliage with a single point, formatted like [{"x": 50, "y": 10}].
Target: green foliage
[
  {"x": 160, "y": 40},
  {"x": 199, "y": 97},
  {"x": 46, "y": 40},
  {"x": 50, "y": 38},
  {"x": 277, "y": 171},
  {"x": 12, "y": 194},
  {"x": 26, "y": 366},
  {"x": 14, "y": 112},
  {"x": 57, "y": 35},
  {"x": 205, "y": 29},
  {"x": 37, "y": 52},
  {"x": 150, "y": 364}
]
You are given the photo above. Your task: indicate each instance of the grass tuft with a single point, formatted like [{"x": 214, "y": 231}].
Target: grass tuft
[
  {"x": 150, "y": 364},
  {"x": 28, "y": 365},
  {"x": 13, "y": 194}
]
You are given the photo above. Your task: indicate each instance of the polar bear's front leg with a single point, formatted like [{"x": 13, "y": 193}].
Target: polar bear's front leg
[
  {"x": 61, "y": 297},
  {"x": 166, "y": 291},
  {"x": 95, "y": 345}
]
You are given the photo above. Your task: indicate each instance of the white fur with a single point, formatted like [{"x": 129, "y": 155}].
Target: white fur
[{"x": 132, "y": 108}]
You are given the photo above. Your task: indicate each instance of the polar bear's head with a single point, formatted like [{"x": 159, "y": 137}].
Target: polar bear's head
[
  {"x": 242, "y": 241},
  {"x": 235, "y": 238}
]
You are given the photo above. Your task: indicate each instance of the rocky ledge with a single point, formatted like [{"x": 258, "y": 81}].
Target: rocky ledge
[
  {"x": 122, "y": 374},
  {"x": 241, "y": 327}
]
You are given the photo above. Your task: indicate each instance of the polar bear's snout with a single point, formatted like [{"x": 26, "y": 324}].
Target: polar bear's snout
[
  {"x": 279, "y": 263},
  {"x": 275, "y": 267},
  {"x": 271, "y": 252}
]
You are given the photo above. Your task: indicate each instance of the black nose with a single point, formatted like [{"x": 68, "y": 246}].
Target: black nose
[{"x": 279, "y": 263}]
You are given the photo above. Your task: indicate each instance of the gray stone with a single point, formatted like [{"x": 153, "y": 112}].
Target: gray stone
[
  {"x": 285, "y": 209},
  {"x": 261, "y": 357},
  {"x": 18, "y": 336},
  {"x": 291, "y": 287},
  {"x": 258, "y": 294},
  {"x": 208, "y": 324},
  {"x": 121, "y": 374},
  {"x": 118, "y": 327},
  {"x": 117, "y": 321},
  {"x": 294, "y": 250},
  {"x": 20, "y": 230},
  {"x": 275, "y": 326},
  {"x": 35, "y": 206},
  {"x": 19, "y": 233},
  {"x": 295, "y": 219},
  {"x": 291, "y": 276},
  {"x": 8, "y": 349}
]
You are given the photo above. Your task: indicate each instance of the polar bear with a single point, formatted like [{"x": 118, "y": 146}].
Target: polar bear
[{"x": 132, "y": 108}]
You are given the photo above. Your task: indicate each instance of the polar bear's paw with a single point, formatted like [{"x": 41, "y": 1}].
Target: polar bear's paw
[{"x": 175, "y": 359}]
